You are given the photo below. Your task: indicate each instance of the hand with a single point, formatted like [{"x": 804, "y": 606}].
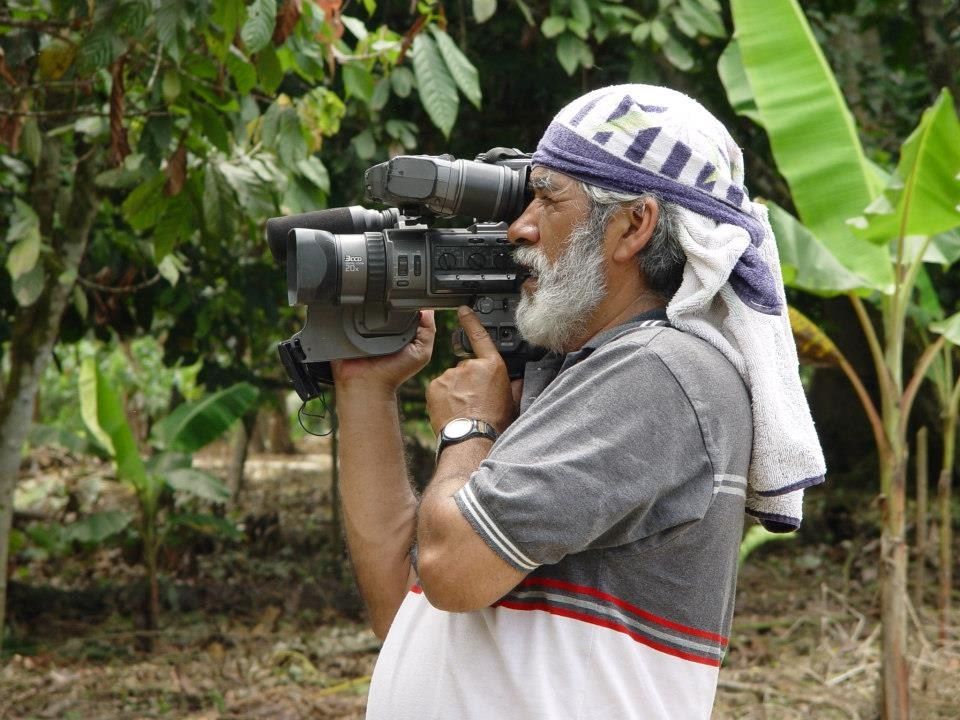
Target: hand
[
  {"x": 388, "y": 372},
  {"x": 477, "y": 388}
]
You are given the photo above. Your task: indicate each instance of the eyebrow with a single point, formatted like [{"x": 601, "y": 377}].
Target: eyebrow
[{"x": 543, "y": 182}]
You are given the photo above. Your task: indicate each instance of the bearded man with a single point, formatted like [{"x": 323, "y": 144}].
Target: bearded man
[{"x": 575, "y": 553}]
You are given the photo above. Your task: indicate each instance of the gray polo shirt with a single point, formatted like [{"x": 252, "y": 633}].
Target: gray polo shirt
[
  {"x": 625, "y": 474},
  {"x": 620, "y": 490}
]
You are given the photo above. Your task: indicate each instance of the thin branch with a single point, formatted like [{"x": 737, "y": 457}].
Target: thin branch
[
  {"x": 125, "y": 290},
  {"x": 78, "y": 111},
  {"x": 914, "y": 385},
  {"x": 876, "y": 351}
]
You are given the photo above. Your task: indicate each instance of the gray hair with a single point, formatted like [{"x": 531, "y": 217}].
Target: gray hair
[{"x": 662, "y": 260}]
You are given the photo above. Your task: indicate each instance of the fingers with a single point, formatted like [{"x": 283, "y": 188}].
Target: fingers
[{"x": 483, "y": 346}]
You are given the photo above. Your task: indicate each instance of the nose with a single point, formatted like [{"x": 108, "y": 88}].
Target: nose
[{"x": 523, "y": 230}]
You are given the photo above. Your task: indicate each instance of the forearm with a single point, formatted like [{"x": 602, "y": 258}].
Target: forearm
[
  {"x": 458, "y": 571},
  {"x": 379, "y": 506}
]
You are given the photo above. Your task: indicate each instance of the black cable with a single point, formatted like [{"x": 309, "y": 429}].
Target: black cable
[{"x": 321, "y": 416}]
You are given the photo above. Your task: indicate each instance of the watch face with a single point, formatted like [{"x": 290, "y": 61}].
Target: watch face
[{"x": 457, "y": 428}]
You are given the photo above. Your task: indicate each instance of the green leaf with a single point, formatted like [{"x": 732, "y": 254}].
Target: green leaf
[
  {"x": 461, "y": 69},
  {"x": 269, "y": 70},
  {"x": 402, "y": 81},
  {"x": 31, "y": 140},
  {"x": 28, "y": 287},
  {"x": 365, "y": 145},
  {"x": 219, "y": 204},
  {"x": 827, "y": 171},
  {"x": 291, "y": 145},
  {"x": 949, "y": 328},
  {"x": 258, "y": 27},
  {"x": 483, "y": 10},
  {"x": 144, "y": 206},
  {"x": 23, "y": 223},
  {"x": 707, "y": 21},
  {"x": 170, "y": 31},
  {"x": 193, "y": 425},
  {"x": 659, "y": 32},
  {"x": 243, "y": 73},
  {"x": 24, "y": 255},
  {"x": 923, "y": 197},
  {"x": 98, "y": 49},
  {"x": 572, "y": 52},
  {"x": 103, "y": 414},
  {"x": 97, "y": 527},
  {"x": 677, "y": 54},
  {"x": 197, "y": 483},
  {"x": 944, "y": 248},
  {"x": 806, "y": 263},
  {"x": 641, "y": 32},
  {"x": 735, "y": 82},
  {"x": 358, "y": 82},
  {"x": 581, "y": 12},
  {"x": 438, "y": 90},
  {"x": 355, "y": 26},
  {"x": 314, "y": 170},
  {"x": 525, "y": 11},
  {"x": 227, "y": 14},
  {"x": 553, "y": 26},
  {"x": 683, "y": 22}
]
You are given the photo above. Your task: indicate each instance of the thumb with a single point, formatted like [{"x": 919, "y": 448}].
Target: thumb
[{"x": 483, "y": 345}]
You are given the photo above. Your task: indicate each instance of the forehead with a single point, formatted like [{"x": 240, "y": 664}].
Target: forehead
[{"x": 547, "y": 179}]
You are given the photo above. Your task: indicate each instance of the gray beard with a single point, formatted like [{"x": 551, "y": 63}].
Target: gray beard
[{"x": 568, "y": 292}]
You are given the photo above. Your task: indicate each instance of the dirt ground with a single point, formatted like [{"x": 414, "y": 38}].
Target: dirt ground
[{"x": 264, "y": 628}]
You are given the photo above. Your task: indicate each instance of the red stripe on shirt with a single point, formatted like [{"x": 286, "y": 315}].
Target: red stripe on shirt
[
  {"x": 609, "y": 624},
  {"x": 593, "y": 592}
]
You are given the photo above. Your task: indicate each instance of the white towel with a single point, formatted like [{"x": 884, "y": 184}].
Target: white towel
[{"x": 641, "y": 138}]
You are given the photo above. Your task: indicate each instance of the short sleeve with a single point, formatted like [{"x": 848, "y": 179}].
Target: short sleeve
[{"x": 611, "y": 452}]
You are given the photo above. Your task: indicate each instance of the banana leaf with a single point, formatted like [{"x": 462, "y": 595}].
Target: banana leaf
[
  {"x": 193, "y": 425},
  {"x": 923, "y": 196},
  {"x": 812, "y": 132},
  {"x": 805, "y": 261},
  {"x": 103, "y": 414}
]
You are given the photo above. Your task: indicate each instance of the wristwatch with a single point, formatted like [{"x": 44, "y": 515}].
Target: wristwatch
[{"x": 461, "y": 429}]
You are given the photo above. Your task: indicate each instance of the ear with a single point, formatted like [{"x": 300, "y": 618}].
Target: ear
[{"x": 636, "y": 229}]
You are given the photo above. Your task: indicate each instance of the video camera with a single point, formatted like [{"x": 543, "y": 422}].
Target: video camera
[{"x": 364, "y": 274}]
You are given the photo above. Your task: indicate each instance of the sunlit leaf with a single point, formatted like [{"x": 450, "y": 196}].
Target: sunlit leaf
[
  {"x": 193, "y": 425},
  {"x": 461, "y": 69},
  {"x": 829, "y": 176},
  {"x": 949, "y": 328},
  {"x": 258, "y": 27},
  {"x": 438, "y": 90},
  {"x": 28, "y": 287},
  {"x": 806, "y": 262},
  {"x": 923, "y": 197},
  {"x": 734, "y": 79},
  {"x": 483, "y": 10},
  {"x": 103, "y": 414},
  {"x": 553, "y": 26}
]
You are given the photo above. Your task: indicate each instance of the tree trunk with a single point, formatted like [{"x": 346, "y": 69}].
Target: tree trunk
[
  {"x": 35, "y": 328},
  {"x": 893, "y": 594},
  {"x": 239, "y": 450},
  {"x": 920, "y": 558},
  {"x": 945, "y": 571}
]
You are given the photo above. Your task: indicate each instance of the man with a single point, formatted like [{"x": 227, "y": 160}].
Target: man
[{"x": 575, "y": 554}]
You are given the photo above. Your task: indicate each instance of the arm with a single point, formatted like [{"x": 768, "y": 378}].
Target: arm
[
  {"x": 379, "y": 506},
  {"x": 458, "y": 571}
]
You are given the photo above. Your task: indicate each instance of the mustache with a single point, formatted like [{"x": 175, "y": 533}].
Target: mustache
[{"x": 533, "y": 259}]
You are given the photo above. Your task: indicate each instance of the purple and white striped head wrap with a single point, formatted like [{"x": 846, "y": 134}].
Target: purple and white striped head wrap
[{"x": 641, "y": 138}]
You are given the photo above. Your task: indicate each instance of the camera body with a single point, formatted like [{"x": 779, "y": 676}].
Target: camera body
[{"x": 364, "y": 275}]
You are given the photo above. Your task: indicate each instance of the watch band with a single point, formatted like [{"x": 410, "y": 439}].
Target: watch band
[{"x": 460, "y": 429}]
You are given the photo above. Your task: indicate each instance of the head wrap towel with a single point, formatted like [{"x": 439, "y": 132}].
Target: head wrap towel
[{"x": 642, "y": 138}]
